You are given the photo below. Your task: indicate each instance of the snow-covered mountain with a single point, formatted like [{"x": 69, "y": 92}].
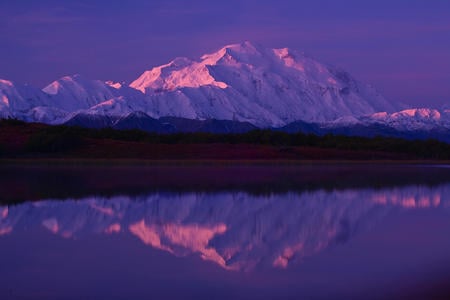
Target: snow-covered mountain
[
  {"x": 410, "y": 124},
  {"x": 237, "y": 231},
  {"x": 266, "y": 87},
  {"x": 19, "y": 100},
  {"x": 418, "y": 123},
  {"x": 239, "y": 83},
  {"x": 412, "y": 119},
  {"x": 75, "y": 92},
  {"x": 244, "y": 82}
]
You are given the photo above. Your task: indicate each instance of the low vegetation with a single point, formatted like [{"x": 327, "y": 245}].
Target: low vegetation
[{"x": 38, "y": 138}]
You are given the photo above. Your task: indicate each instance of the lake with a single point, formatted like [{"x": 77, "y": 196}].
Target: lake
[{"x": 225, "y": 231}]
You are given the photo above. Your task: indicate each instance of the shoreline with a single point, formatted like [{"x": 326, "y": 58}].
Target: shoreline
[{"x": 211, "y": 162}]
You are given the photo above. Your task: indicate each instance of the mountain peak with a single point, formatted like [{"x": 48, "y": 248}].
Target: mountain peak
[
  {"x": 157, "y": 75},
  {"x": 76, "y": 92},
  {"x": 418, "y": 113},
  {"x": 246, "y": 47},
  {"x": 54, "y": 87},
  {"x": 234, "y": 53},
  {"x": 266, "y": 87},
  {"x": 113, "y": 84},
  {"x": 179, "y": 73}
]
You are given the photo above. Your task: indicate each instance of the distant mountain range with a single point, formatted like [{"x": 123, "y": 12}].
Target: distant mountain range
[{"x": 238, "y": 88}]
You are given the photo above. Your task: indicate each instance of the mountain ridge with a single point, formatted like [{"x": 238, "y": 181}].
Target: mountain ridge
[{"x": 247, "y": 83}]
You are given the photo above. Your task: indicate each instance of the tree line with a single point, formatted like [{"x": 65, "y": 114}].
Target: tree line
[{"x": 53, "y": 139}]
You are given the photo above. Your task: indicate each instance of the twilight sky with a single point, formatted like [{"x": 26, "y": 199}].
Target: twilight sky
[{"x": 402, "y": 47}]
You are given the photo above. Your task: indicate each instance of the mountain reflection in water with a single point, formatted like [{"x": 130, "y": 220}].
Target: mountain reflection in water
[{"x": 235, "y": 230}]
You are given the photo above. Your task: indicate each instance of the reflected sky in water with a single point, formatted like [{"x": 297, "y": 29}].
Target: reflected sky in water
[{"x": 292, "y": 243}]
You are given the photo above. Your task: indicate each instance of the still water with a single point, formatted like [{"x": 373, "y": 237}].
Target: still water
[{"x": 230, "y": 232}]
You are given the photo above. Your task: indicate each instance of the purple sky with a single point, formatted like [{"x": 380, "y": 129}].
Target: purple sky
[{"x": 402, "y": 47}]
